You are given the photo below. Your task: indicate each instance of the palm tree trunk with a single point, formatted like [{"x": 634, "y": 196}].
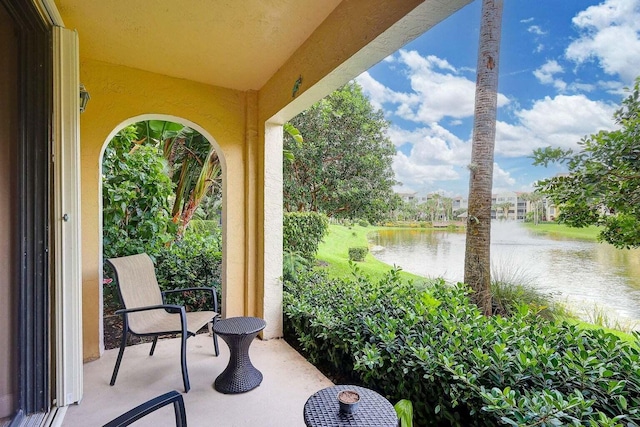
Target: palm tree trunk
[{"x": 477, "y": 262}]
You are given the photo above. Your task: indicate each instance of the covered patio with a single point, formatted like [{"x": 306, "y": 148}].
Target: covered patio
[
  {"x": 288, "y": 381},
  {"x": 233, "y": 71}
]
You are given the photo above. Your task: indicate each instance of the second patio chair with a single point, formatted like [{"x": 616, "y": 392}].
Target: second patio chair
[{"x": 146, "y": 314}]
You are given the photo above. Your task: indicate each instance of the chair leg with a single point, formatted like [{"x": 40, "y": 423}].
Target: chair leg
[
  {"x": 183, "y": 360},
  {"x": 215, "y": 338},
  {"x": 153, "y": 346},
  {"x": 123, "y": 344}
]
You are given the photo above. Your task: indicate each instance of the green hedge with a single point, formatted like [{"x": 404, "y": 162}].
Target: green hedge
[
  {"x": 433, "y": 347},
  {"x": 303, "y": 232}
]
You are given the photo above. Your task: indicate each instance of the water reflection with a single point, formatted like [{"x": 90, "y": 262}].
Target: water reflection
[{"x": 581, "y": 273}]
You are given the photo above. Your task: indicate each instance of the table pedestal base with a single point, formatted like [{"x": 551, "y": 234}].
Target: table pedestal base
[{"x": 240, "y": 375}]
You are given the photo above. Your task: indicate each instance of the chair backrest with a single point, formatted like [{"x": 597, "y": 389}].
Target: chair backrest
[
  {"x": 137, "y": 284},
  {"x": 150, "y": 406}
]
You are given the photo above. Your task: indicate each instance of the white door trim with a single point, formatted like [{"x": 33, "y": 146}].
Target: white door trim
[{"x": 67, "y": 274}]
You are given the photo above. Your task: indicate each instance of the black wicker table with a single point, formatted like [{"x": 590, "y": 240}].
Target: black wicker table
[
  {"x": 240, "y": 375},
  {"x": 322, "y": 409}
]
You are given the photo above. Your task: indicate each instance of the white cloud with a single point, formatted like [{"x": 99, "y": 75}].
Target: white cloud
[
  {"x": 432, "y": 145},
  {"x": 526, "y": 21},
  {"x": 561, "y": 121},
  {"x": 546, "y": 74},
  {"x": 410, "y": 173},
  {"x": 613, "y": 87},
  {"x": 502, "y": 180},
  {"x": 439, "y": 90},
  {"x": 610, "y": 34},
  {"x": 535, "y": 29},
  {"x": 436, "y": 155}
]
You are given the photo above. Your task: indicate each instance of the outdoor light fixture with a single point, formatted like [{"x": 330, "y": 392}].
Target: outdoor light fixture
[{"x": 84, "y": 98}]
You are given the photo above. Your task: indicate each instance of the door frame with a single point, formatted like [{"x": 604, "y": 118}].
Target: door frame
[{"x": 32, "y": 213}]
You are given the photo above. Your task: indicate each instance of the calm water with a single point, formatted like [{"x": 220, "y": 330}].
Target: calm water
[{"x": 582, "y": 274}]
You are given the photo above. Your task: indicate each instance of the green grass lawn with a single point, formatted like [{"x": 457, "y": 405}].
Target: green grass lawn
[
  {"x": 334, "y": 251},
  {"x": 553, "y": 229}
]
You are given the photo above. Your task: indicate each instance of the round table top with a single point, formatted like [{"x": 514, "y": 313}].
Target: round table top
[
  {"x": 239, "y": 326},
  {"x": 322, "y": 409}
]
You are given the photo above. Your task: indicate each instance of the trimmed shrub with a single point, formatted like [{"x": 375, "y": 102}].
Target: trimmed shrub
[
  {"x": 458, "y": 367},
  {"x": 358, "y": 253},
  {"x": 303, "y": 232},
  {"x": 363, "y": 223}
]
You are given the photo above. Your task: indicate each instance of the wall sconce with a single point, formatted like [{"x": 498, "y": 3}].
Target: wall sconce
[{"x": 84, "y": 98}]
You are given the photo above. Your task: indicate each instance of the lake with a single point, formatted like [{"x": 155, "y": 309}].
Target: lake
[{"x": 589, "y": 277}]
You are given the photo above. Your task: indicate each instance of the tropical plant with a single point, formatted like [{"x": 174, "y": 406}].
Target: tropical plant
[
  {"x": 194, "y": 166},
  {"x": 603, "y": 184},
  {"x": 477, "y": 261}
]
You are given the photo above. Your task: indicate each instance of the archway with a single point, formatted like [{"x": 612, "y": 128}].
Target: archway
[{"x": 205, "y": 137}]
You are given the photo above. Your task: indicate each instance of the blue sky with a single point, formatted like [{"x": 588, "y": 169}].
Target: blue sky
[{"x": 563, "y": 67}]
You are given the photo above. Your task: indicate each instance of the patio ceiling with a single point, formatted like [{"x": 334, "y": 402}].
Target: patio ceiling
[{"x": 227, "y": 43}]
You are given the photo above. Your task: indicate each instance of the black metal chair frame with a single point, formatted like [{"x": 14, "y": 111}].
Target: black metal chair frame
[
  {"x": 171, "y": 308},
  {"x": 150, "y": 406}
]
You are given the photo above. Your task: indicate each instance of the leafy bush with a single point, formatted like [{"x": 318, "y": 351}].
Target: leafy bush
[
  {"x": 358, "y": 253},
  {"x": 363, "y": 223},
  {"x": 458, "y": 367},
  {"x": 135, "y": 192},
  {"x": 303, "y": 232},
  {"x": 194, "y": 261}
]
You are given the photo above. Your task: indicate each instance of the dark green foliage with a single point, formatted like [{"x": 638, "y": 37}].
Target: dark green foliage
[
  {"x": 358, "y": 253},
  {"x": 303, "y": 232},
  {"x": 603, "y": 184},
  {"x": 343, "y": 167},
  {"x": 135, "y": 190},
  {"x": 194, "y": 261},
  {"x": 293, "y": 264},
  {"x": 363, "y": 223},
  {"x": 458, "y": 367}
]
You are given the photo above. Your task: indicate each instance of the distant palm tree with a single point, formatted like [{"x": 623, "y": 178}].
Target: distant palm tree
[
  {"x": 505, "y": 209},
  {"x": 477, "y": 262}
]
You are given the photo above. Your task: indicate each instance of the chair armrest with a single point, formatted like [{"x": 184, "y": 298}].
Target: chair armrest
[
  {"x": 172, "y": 308},
  {"x": 150, "y": 406},
  {"x": 214, "y": 296}
]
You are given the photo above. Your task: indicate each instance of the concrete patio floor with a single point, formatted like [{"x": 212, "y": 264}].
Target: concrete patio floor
[{"x": 288, "y": 382}]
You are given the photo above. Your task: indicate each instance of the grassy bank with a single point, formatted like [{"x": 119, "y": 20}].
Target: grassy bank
[
  {"x": 555, "y": 230},
  {"x": 334, "y": 251}
]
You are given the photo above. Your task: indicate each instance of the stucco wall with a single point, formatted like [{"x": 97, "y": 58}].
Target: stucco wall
[{"x": 120, "y": 94}]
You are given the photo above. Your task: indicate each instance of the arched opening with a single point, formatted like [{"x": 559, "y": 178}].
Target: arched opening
[{"x": 179, "y": 166}]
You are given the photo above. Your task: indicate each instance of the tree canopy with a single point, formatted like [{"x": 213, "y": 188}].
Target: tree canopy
[
  {"x": 343, "y": 167},
  {"x": 602, "y": 186}
]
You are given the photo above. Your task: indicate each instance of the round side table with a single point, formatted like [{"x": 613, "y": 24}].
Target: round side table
[
  {"x": 240, "y": 375},
  {"x": 322, "y": 409}
]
